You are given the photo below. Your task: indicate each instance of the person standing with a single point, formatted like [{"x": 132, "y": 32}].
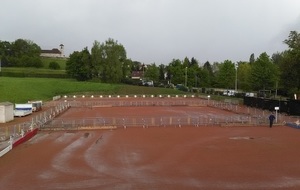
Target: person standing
[{"x": 271, "y": 119}]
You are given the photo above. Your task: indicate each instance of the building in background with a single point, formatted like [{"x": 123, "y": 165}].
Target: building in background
[{"x": 55, "y": 52}]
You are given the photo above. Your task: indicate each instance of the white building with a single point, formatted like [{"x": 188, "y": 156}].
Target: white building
[
  {"x": 6, "y": 112},
  {"x": 54, "y": 52}
]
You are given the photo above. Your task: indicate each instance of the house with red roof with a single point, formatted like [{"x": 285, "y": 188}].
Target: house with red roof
[{"x": 55, "y": 52}]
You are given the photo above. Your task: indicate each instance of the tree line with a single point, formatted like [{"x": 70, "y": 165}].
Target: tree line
[
  {"x": 20, "y": 53},
  {"x": 108, "y": 62}
]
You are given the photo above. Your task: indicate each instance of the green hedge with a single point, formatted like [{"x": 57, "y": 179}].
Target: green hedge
[{"x": 33, "y": 74}]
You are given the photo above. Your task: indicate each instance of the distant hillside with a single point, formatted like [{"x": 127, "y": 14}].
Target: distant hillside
[{"x": 44, "y": 72}]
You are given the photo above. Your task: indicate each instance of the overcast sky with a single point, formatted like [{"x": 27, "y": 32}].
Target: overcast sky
[{"x": 155, "y": 31}]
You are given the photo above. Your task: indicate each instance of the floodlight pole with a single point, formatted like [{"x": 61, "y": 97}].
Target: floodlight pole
[
  {"x": 185, "y": 76},
  {"x": 236, "y": 67}
]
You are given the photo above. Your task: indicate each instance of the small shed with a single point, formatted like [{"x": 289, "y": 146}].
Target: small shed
[{"x": 6, "y": 112}]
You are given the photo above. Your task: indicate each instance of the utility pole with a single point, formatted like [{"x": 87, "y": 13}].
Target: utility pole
[
  {"x": 236, "y": 67},
  {"x": 185, "y": 76}
]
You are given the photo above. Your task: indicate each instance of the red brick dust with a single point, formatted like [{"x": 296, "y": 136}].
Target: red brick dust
[
  {"x": 210, "y": 157},
  {"x": 147, "y": 111},
  {"x": 157, "y": 158}
]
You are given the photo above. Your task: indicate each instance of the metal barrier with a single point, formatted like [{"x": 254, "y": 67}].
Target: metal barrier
[
  {"x": 47, "y": 120},
  {"x": 10, "y": 134},
  {"x": 137, "y": 103},
  {"x": 243, "y": 115},
  {"x": 145, "y": 122}
]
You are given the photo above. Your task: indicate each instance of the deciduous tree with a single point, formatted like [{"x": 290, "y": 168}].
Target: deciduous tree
[
  {"x": 264, "y": 73},
  {"x": 78, "y": 65},
  {"x": 226, "y": 75},
  {"x": 290, "y": 64},
  {"x": 152, "y": 72},
  {"x": 113, "y": 56}
]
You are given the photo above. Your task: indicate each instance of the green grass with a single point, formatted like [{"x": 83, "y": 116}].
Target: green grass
[
  {"x": 20, "y": 90},
  {"x": 60, "y": 61},
  {"x": 45, "y": 71},
  {"x": 28, "y": 70}
]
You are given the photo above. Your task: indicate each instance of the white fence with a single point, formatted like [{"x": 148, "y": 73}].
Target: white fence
[
  {"x": 9, "y": 134},
  {"x": 124, "y": 122}
]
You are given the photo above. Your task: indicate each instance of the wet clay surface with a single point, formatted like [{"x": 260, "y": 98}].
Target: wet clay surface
[{"x": 208, "y": 157}]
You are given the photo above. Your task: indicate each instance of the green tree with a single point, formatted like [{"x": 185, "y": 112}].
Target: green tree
[
  {"x": 22, "y": 53},
  {"x": 113, "y": 56},
  {"x": 22, "y": 47},
  {"x": 126, "y": 68},
  {"x": 176, "y": 72},
  {"x": 186, "y": 62},
  {"x": 208, "y": 75},
  {"x": 78, "y": 65},
  {"x": 162, "y": 71},
  {"x": 28, "y": 61},
  {"x": 152, "y": 72},
  {"x": 264, "y": 73},
  {"x": 5, "y": 53},
  {"x": 277, "y": 58},
  {"x": 290, "y": 64},
  {"x": 136, "y": 66},
  {"x": 96, "y": 60},
  {"x": 5, "y": 48},
  {"x": 226, "y": 75},
  {"x": 194, "y": 62},
  {"x": 293, "y": 41},
  {"x": 54, "y": 65},
  {"x": 193, "y": 73},
  {"x": 243, "y": 76},
  {"x": 252, "y": 59},
  {"x": 204, "y": 78}
]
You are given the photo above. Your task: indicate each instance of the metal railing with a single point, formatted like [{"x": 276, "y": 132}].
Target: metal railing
[
  {"x": 145, "y": 122},
  {"x": 48, "y": 120},
  {"x": 14, "y": 132}
]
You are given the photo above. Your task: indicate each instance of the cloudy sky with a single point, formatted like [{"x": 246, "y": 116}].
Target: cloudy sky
[{"x": 155, "y": 31}]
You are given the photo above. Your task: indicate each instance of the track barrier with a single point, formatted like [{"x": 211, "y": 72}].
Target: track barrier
[
  {"x": 15, "y": 135},
  {"x": 48, "y": 120}
]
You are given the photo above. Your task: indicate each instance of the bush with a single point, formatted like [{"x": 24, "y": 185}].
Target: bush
[
  {"x": 54, "y": 65},
  {"x": 27, "y": 61},
  {"x": 183, "y": 88}
]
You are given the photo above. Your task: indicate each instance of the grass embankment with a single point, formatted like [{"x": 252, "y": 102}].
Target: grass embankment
[
  {"x": 43, "y": 72},
  {"x": 25, "y": 71},
  {"x": 47, "y": 60},
  {"x": 20, "y": 90}
]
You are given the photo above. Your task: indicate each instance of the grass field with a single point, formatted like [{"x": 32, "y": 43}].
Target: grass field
[
  {"x": 47, "y": 60},
  {"x": 43, "y": 72},
  {"x": 28, "y": 70},
  {"x": 20, "y": 90}
]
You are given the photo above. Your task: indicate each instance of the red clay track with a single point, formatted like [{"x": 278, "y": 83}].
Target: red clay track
[
  {"x": 156, "y": 157},
  {"x": 147, "y": 111}
]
